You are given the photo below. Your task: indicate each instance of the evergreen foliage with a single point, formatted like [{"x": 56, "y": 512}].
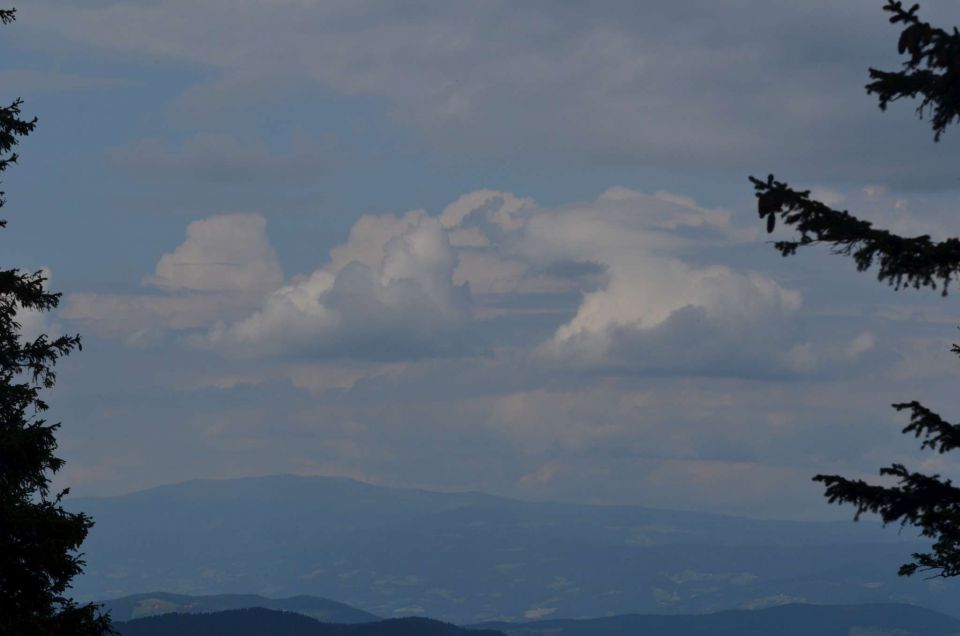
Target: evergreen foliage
[
  {"x": 38, "y": 538},
  {"x": 931, "y": 73}
]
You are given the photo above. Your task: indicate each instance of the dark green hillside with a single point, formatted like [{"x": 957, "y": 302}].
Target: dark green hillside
[
  {"x": 264, "y": 622},
  {"x": 787, "y": 620},
  {"x": 156, "y": 603}
]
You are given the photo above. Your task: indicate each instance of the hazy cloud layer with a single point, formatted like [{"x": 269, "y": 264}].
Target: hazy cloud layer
[
  {"x": 222, "y": 158},
  {"x": 696, "y": 86}
]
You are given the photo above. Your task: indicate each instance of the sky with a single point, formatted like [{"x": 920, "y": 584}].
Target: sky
[{"x": 497, "y": 246}]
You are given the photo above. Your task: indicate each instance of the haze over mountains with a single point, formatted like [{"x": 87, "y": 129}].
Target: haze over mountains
[
  {"x": 157, "y": 603},
  {"x": 264, "y": 622},
  {"x": 469, "y": 558},
  {"x": 786, "y": 620}
]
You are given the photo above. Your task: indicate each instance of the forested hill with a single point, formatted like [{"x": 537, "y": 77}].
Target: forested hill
[
  {"x": 789, "y": 620},
  {"x": 156, "y": 603},
  {"x": 264, "y": 622},
  {"x": 881, "y": 619}
]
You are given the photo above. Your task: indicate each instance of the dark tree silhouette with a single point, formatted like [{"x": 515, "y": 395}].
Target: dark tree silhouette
[
  {"x": 38, "y": 538},
  {"x": 931, "y": 73}
]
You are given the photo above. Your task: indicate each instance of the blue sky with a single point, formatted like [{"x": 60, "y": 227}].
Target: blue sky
[{"x": 487, "y": 246}]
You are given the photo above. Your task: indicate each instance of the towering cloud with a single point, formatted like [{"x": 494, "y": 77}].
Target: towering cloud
[
  {"x": 636, "y": 288},
  {"x": 229, "y": 252},
  {"x": 393, "y": 297}
]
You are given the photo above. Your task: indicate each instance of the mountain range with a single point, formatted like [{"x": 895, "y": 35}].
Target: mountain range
[
  {"x": 470, "y": 557},
  {"x": 785, "y": 620},
  {"x": 156, "y": 603},
  {"x": 265, "y": 622}
]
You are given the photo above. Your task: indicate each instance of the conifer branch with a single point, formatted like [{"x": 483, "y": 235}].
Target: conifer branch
[
  {"x": 931, "y": 70},
  {"x": 902, "y": 261}
]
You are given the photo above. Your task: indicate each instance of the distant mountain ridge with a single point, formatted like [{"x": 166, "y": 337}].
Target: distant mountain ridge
[
  {"x": 784, "y": 620},
  {"x": 470, "y": 557},
  {"x": 158, "y": 603},
  {"x": 264, "y": 622}
]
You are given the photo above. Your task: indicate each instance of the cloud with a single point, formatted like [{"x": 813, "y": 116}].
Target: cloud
[
  {"x": 658, "y": 289},
  {"x": 221, "y": 158},
  {"x": 661, "y": 314},
  {"x": 636, "y": 273},
  {"x": 403, "y": 304},
  {"x": 652, "y": 296},
  {"x": 125, "y": 315},
  {"x": 229, "y": 252},
  {"x": 221, "y": 270},
  {"x": 644, "y": 304},
  {"x": 400, "y": 287},
  {"x": 403, "y": 286},
  {"x": 36, "y": 81},
  {"x": 696, "y": 442},
  {"x": 620, "y": 226},
  {"x": 369, "y": 237},
  {"x": 678, "y": 87},
  {"x": 636, "y": 276},
  {"x": 499, "y": 210}
]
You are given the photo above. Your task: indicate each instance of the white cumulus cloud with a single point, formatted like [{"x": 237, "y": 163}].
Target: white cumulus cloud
[
  {"x": 399, "y": 303},
  {"x": 225, "y": 252},
  {"x": 221, "y": 270},
  {"x": 638, "y": 282}
]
